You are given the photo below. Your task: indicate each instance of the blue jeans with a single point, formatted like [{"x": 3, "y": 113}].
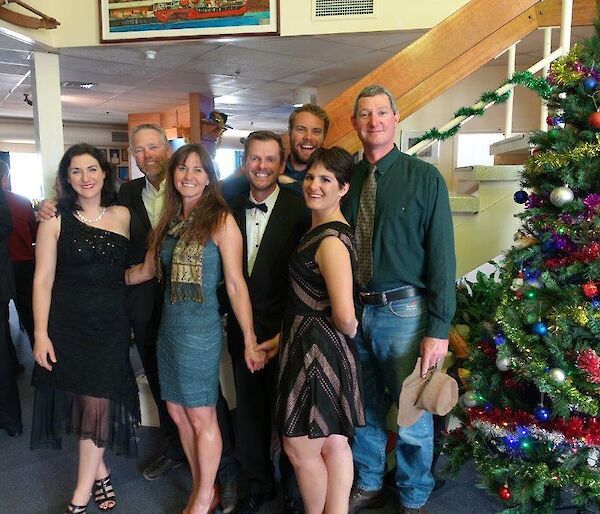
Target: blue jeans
[{"x": 388, "y": 343}]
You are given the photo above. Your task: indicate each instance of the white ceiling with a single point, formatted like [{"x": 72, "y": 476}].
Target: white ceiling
[{"x": 252, "y": 79}]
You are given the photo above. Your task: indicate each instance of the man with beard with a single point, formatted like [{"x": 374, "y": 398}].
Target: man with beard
[
  {"x": 272, "y": 220},
  {"x": 307, "y": 129}
]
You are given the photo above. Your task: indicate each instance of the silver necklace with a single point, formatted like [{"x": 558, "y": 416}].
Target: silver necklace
[{"x": 86, "y": 220}]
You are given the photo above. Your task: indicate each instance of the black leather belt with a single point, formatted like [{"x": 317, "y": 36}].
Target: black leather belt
[{"x": 385, "y": 297}]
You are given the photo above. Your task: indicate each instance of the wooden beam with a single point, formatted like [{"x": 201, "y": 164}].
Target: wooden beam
[
  {"x": 444, "y": 43},
  {"x": 548, "y": 12}
]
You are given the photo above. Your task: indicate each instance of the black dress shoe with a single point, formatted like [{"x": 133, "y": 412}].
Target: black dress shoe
[
  {"x": 361, "y": 499},
  {"x": 254, "y": 502},
  {"x": 293, "y": 505},
  {"x": 228, "y": 496},
  {"x": 160, "y": 467}
]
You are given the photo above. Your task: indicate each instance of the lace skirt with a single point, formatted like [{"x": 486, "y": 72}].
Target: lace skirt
[{"x": 107, "y": 423}]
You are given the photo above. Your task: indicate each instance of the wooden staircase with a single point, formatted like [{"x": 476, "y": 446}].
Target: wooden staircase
[{"x": 448, "y": 53}]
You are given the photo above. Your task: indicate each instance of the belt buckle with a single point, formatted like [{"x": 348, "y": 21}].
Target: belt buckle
[{"x": 384, "y": 298}]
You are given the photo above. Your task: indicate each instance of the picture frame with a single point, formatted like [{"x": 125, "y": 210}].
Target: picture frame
[
  {"x": 123, "y": 173},
  {"x": 114, "y": 156},
  {"x": 124, "y": 155},
  {"x": 408, "y": 138},
  {"x": 175, "y": 19}
]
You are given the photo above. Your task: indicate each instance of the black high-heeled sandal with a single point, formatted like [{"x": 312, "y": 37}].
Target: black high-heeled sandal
[
  {"x": 103, "y": 492},
  {"x": 76, "y": 509}
]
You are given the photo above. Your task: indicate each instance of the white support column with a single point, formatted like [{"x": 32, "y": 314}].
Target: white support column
[
  {"x": 566, "y": 21},
  {"x": 47, "y": 116},
  {"x": 508, "y": 113},
  {"x": 547, "y": 50}
]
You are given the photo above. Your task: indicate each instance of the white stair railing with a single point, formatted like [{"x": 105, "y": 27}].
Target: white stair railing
[{"x": 563, "y": 49}]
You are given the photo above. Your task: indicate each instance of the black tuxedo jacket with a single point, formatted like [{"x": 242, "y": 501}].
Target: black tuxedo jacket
[
  {"x": 268, "y": 284},
  {"x": 141, "y": 299}
]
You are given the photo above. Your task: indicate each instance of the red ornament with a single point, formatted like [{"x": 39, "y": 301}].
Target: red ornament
[
  {"x": 518, "y": 294},
  {"x": 589, "y": 362},
  {"x": 590, "y": 290},
  {"x": 504, "y": 493},
  {"x": 594, "y": 120}
]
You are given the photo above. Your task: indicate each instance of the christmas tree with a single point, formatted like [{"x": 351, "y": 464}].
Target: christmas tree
[{"x": 531, "y": 415}]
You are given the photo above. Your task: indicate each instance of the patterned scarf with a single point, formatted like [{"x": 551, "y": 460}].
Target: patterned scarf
[{"x": 186, "y": 263}]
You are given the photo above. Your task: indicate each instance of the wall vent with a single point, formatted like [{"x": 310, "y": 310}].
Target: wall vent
[
  {"x": 119, "y": 137},
  {"x": 330, "y": 9}
]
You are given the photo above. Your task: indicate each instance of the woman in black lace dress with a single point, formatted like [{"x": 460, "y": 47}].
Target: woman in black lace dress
[
  {"x": 83, "y": 378},
  {"x": 319, "y": 395}
]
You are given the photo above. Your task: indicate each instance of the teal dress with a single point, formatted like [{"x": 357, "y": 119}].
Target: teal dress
[{"x": 190, "y": 338}]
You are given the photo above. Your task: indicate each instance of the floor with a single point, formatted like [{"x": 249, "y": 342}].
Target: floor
[{"x": 41, "y": 481}]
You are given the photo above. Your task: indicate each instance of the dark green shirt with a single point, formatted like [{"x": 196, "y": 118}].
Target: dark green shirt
[{"x": 413, "y": 239}]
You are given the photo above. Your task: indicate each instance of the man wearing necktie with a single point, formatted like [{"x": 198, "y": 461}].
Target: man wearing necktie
[
  {"x": 399, "y": 208},
  {"x": 272, "y": 220}
]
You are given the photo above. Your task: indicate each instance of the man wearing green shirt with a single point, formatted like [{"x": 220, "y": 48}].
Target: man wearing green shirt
[{"x": 407, "y": 299}]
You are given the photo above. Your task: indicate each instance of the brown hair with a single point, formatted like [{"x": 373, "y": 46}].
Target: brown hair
[
  {"x": 211, "y": 209},
  {"x": 263, "y": 135},
  {"x": 313, "y": 109}
]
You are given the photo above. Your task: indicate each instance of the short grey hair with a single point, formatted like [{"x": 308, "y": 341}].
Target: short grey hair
[
  {"x": 150, "y": 126},
  {"x": 374, "y": 90}
]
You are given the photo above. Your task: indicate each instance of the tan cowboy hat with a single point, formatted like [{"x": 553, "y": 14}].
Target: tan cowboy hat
[{"x": 436, "y": 393}]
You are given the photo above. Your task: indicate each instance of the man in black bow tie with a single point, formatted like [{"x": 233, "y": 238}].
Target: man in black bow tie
[{"x": 272, "y": 220}]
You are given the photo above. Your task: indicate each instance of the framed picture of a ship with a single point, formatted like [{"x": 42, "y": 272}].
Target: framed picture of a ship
[{"x": 127, "y": 20}]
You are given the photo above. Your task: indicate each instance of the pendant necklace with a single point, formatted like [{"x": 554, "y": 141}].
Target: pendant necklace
[{"x": 86, "y": 220}]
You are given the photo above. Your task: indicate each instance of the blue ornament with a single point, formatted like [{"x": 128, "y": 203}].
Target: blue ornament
[
  {"x": 511, "y": 442},
  {"x": 487, "y": 406},
  {"x": 541, "y": 413},
  {"x": 499, "y": 339},
  {"x": 521, "y": 196},
  {"x": 531, "y": 273},
  {"x": 548, "y": 245},
  {"x": 596, "y": 303},
  {"x": 522, "y": 431},
  {"x": 539, "y": 328},
  {"x": 589, "y": 83}
]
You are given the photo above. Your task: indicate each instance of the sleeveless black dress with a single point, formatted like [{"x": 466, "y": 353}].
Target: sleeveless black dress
[
  {"x": 319, "y": 386},
  {"x": 91, "y": 388}
]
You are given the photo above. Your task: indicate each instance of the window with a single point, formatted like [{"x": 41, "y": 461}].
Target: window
[{"x": 26, "y": 175}]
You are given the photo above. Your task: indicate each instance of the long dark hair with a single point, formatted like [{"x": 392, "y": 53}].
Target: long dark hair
[
  {"x": 66, "y": 195},
  {"x": 211, "y": 209}
]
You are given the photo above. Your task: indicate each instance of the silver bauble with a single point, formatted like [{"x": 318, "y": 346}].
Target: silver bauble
[
  {"x": 558, "y": 375},
  {"x": 561, "y": 196},
  {"x": 503, "y": 363},
  {"x": 592, "y": 459},
  {"x": 469, "y": 399}
]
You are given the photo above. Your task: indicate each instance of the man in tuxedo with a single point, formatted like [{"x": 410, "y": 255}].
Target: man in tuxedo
[
  {"x": 144, "y": 197},
  {"x": 272, "y": 220}
]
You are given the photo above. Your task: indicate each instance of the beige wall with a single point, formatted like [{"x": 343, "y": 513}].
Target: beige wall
[
  {"x": 79, "y": 19},
  {"x": 390, "y": 15}
]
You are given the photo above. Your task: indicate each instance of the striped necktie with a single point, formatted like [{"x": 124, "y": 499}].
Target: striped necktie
[{"x": 364, "y": 227}]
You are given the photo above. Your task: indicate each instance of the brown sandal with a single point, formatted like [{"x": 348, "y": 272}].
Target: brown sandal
[{"x": 103, "y": 492}]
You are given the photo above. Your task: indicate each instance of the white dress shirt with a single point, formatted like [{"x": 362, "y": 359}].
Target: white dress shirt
[
  {"x": 154, "y": 201},
  {"x": 256, "y": 223}
]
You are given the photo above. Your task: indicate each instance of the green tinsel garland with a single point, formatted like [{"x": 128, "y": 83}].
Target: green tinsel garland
[{"x": 524, "y": 78}]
